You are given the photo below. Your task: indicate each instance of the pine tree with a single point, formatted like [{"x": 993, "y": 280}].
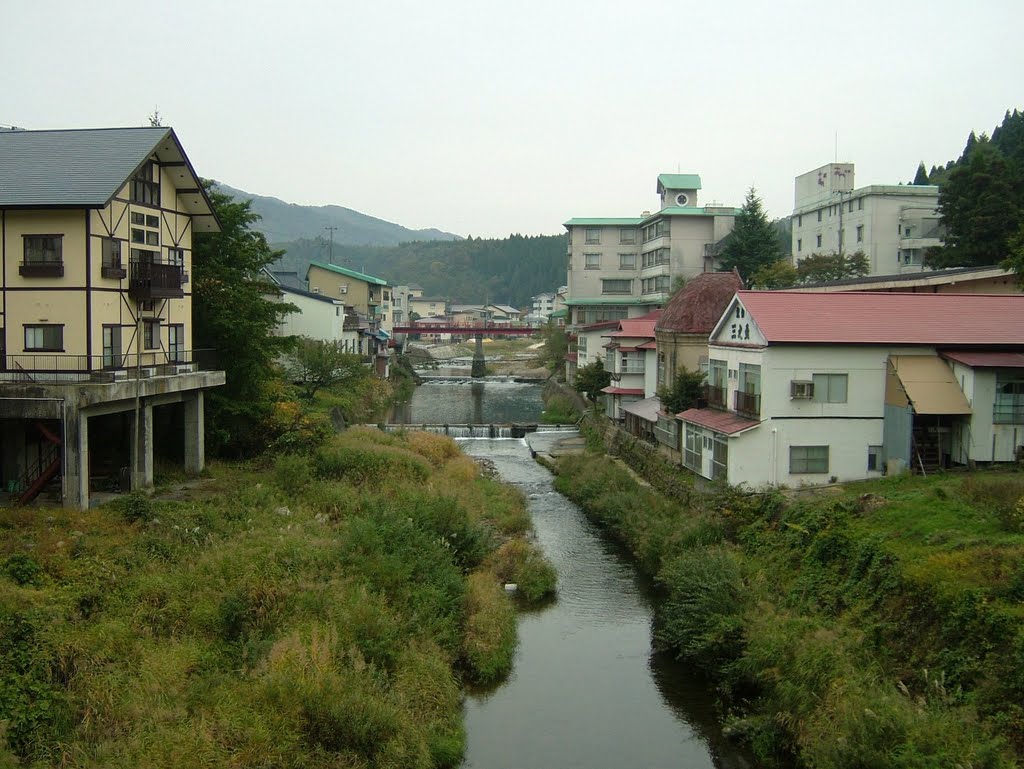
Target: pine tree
[
  {"x": 922, "y": 175},
  {"x": 754, "y": 242}
]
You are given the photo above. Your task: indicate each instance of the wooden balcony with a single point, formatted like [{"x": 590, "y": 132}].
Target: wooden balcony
[{"x": 154, "y": 280}]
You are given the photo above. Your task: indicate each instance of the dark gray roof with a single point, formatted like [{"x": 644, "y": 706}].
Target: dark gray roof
[
  {"x": 86, "y": 167},
  {"x": 905, "y": 277}
]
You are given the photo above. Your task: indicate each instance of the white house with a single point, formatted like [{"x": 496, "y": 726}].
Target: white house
[
  {"x": 804, "y": 388},
  {"x": 319, "y": 317},
  {"x": 631, "y": 358}
]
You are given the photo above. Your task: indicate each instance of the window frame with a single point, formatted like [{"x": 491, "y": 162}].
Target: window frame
[
  {"x": 591, "y": 236},
  {"x": 44, "y": 327},
  {"x": 625, "y": 289},
  {"x": 824, "y": 386},
  {"x": 151, "y": 334},
  {"x": 623, "y": 258},
  {"x": 627, "y": 236},
  {"x": 588, "y": 258},
  {"x": 28, "y": 244},
  {"x": 801, "y": 460}
]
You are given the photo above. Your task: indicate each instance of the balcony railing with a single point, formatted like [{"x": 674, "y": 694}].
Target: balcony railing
[
  {"x": 748, "y": 404},
  {"x": 155, "y": 280},
  {"x": 715, "y": 397},
  {"x": 112, "y": 366}
]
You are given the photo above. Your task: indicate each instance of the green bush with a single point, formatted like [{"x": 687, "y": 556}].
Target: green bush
[
  {"x": 292, "y": 473},
  {"x": 369, "y": 463},
  {"x": 136, "y": 506},
  {"x": 559, "y": 410},
  {"x": 23, "y": 569},
  {"x": 523, "y": 563}
]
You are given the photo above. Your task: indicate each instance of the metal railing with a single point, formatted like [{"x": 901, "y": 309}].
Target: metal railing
[
  {"x": 748, "y": 404},
  {"x": 61, "y": 368},
  {"x": 155, "y": 279},
  {"x": 715, "y": 396}
]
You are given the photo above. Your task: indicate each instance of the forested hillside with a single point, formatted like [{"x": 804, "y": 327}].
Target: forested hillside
[
  {"x": 282, "y": 222},
  {"x": 981, "y": 200},
  {"x": 507, "y": 271}
]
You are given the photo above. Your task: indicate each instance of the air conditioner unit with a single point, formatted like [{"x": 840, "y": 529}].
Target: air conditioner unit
[
  {"x": 315, "y": 290},
  {"x": 184, "y": 368},
  {"x": 801, "y": 390},
  {"x": 343, "y": 288},
  {"x": 119, "y": 376},
  {"x": 146, "y": 373}
]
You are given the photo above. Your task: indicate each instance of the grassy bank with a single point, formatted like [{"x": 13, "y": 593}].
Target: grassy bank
[
  {"x": 877, "y": 625},
  {"x": 319, "y": 610}
]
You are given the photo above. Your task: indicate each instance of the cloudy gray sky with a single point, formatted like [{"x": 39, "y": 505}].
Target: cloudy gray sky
[{"x": 487, "y": 118}]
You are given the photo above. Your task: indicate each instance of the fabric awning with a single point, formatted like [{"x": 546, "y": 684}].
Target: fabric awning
[{"x": 929, "y": 384}]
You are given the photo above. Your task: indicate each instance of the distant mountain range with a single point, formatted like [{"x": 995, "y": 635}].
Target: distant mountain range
[{"x": 283, "y": 222}]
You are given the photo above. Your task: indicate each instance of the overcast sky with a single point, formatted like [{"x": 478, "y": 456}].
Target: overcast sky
[{"x": 487, "y": 118}]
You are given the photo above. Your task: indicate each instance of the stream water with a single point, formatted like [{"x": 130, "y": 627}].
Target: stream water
[{"x": 587, "y": 688}]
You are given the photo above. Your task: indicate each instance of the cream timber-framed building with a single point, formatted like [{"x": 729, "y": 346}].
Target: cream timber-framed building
[{"x": 96, "y": 232}]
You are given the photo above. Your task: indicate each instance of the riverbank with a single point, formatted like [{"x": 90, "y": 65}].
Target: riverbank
[
  {"x": 880, "y": 624},
  {"x": 319, "y": 610}
]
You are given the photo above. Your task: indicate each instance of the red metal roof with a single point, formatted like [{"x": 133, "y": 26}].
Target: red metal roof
[
  {"x": 637, "y": 328},
  {"x": 648, "y": 346},
  {"x": 623, "y": 390},
  {"x": 884, "y": 318},
  {"x": 725, "y": 422},
  {"x": 986, "y": 359},
  {"x": 697, "y": 306}
]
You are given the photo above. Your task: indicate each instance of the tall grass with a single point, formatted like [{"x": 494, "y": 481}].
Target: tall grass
[{"x": 314, "y": 610}]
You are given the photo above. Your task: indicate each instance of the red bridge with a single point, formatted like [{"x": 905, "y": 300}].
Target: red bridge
[{"x": 467, "y": 330}]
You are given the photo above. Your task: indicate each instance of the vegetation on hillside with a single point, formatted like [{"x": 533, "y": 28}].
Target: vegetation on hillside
[
  {"x": 506, "y": 271},
  {"x": 878, "y": 626},
  {"x": 317, "y": 611}
]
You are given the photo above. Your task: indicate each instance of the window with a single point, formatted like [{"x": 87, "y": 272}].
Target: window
[
  {"x": 44, "y": 338},
  {"x": 176, "y": 342},
  {"x": 43, "y": 249},
  {"x": 138, "y": 236},
  {"x": 1008, "y": 407},
  {"x": 860, "y": 204},
  {"x": 112, "y": 347},
  {"x": 592, "y": 235},
  {"x": 692, "y": 448},
  {"x": 145, "y": 189},
  {"x": 627, "y": 261},
  {"x": 830, "y": 388},
  {"x": 138, "y": 218},
  {"x": 808, "y": 459},
  {"x": 151, "y": 334},
  {"x": 860, "y": 233},
  {"x": 592, "y": 261},
  {"x": 656, "y": 230},
  {"x": 667, "y": 431},
  {"x": 656, "y": 285},
  {"x": 152, "y": 221},
  {"x": 799, "y": 244},
  {"x": 819, "y": 241},
  {"x": 874, "y": 458},
  {"x": 656, "y": 257},
  {"x": 616, "y": 286},
  {"x": 800, "y": 221},
  {"x": 176, "y": 256},
  {"x": 152, "y": 238},
  {"x": 851, "y": 207},
  {"x": 819, "y": 214},
  {"x": 627, "y": 237},
  {"x": 111, "y": 253}
]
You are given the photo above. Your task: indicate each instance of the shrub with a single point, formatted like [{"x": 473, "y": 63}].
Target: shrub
[
  {"x": 559, "y": 410},
  {"x": 361, "y": 465},
  {"x": 1001, "y": 494},
  {"x": 136, "y": 506},
  {"x": 438, "y": 449},
  {"x": 523, "y": 563},
  {"x": 292, "y": 474},
  {"x": 23, "y": 569}
]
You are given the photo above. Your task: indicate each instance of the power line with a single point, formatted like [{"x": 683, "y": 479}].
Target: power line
[{"x": 331, "y": 230}]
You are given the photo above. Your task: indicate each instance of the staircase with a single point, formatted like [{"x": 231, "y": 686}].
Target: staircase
[
  {"x": 925, "y": 452},
  {"x": 39, "y": 473}
]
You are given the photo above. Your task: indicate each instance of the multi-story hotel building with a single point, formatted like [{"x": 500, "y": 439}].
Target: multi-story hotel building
[{"x": 893, "y": 224}]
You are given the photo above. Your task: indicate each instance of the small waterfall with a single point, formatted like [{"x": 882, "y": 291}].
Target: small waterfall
[{"x": 467, "y": 431}]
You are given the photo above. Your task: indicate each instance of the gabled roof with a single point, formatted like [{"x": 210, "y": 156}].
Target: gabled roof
[
  {"x": 697, "y": 306},
  {"x": 286, "y": 289},
  {"x": 884, "y": 318},
  {"x": 85, "y": 168},
  {"x": 678, "y": 182},
  {"x": 347, "y": 272}
]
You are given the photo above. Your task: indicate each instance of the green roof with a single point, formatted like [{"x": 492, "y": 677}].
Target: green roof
[
  {"x": 678, "y": 182},
  {"x": 598, "y": 222},
  {"x": 696, "y": 211},
  {"x": 559, "y": 313},
  {"x": 349, "y": 273},
  {"x": 618, "y": 300}
]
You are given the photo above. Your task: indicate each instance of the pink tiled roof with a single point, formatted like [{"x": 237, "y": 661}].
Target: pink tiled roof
[
  {"x": 648, "y": 346},
  {"x": 623, "y": 390},
  {"x": 986, "y": 359},
  {"x": 697, "y": 306},
  {"x": 725, "y": 422},
  {"x": 637, "y": 328},
  {"x": 884, "y": 318}
]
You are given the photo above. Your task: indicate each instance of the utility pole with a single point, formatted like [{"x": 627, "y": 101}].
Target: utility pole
[{"x": 331, "y": 252}]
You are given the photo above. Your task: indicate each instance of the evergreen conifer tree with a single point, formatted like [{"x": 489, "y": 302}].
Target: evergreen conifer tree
[{"x": 754, "y": 242}]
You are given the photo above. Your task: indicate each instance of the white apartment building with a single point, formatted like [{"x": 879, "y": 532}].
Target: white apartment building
[
  {"x": 624, "y": 267},
  {"x": 893, "y": 224},
  {"x": 543, "y": 304}
]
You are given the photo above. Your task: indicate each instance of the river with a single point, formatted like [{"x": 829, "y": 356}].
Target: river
[{"x": 587, "y": 688}]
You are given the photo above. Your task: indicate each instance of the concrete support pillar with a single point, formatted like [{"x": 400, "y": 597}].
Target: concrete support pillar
[
  {"x": 142, "y": 451},
  {"x": 75, "y": 458},
  {"x": 12, "y": 448},
  {"x": 195, "y": 434},
  {"x": 479, "y": 368}
]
